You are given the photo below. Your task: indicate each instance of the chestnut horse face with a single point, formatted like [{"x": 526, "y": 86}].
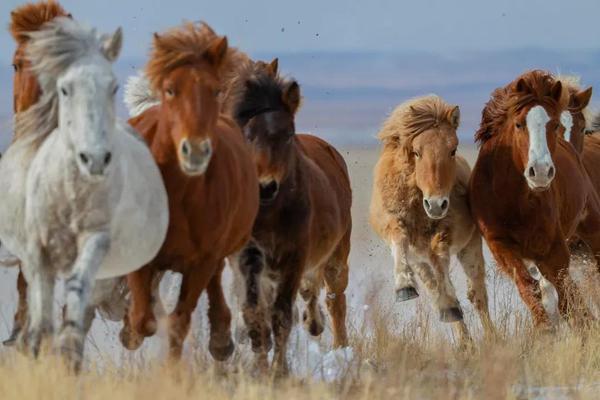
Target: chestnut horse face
[
  {"x": 26, "y": 90},
  {"x": 578, "y": 101},
  {"x": 190, "y": 104},
  {"x": 272, "y": 135},
  {"x": 434, "y": 155},
  {"x": 535, "y": 130}
]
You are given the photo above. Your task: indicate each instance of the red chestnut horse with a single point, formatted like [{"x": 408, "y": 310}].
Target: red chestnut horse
[
  {"x": 210, "y": 179},
  {"x": 529, "y": 191},
  {"x": 26, "y": 92},
  {"x": 301, "y": 238}
]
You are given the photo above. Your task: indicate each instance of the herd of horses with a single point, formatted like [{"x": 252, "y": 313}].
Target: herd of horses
[{"x": 209, "y": 169}]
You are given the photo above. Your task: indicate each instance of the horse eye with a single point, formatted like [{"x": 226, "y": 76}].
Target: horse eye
[
  {"x": 63, "y": 91},
  {"x": 15, "y": 67},
  {"x": 170, "y": 93},
  {"x": 115, "y": 90},
  {"x": 416, "y": 154},
  {"x": 518, "y": 125},
  {"x": 453, "y": 153}
]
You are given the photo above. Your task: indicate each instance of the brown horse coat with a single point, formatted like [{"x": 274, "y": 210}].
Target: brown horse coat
[
  {"x": 212, "y": 204},
  {"x": 520, "y": 224}
]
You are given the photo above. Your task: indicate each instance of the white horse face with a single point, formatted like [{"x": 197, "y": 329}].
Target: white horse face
[{"x": 87, "y": 120}]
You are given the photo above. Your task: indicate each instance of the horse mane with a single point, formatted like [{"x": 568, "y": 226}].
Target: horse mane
[
  {"x": 187, "y": 45},
  {"x": 508, "y": 100},
  {"x": 139, "y": 95},
  {"x": 31, "y": 16},
  {"x": 52, "y": 50},
  {"x": 256, "y": 89},
  {"x": 572, "y": 83},
  {"x": 414, "y": 117}
]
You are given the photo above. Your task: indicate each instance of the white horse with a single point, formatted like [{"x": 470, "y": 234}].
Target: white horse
[{"x": 83, "y": 197}]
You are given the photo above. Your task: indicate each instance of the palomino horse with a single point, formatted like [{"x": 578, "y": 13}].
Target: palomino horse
[
  {"x": 420, "y": 208},
  {"x": 26, "y": 92},
  {"x": 210, "y": 179},
  {"x": 301, "y": 237},
  {"x": 529, "y": 191},
  {"x": 109, "y": 295},
  {"x": 70, "y": 146}
]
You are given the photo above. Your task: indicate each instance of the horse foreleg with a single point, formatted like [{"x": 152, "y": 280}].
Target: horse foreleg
[
  {"x": 220, "y": 346},
  {"x": 78, "y": 288},
  {"x": 404, "y": 280},
  {"x": 336, "y": 281},
  {"x": 20, "y": 317},
  {"x": 140, "y": 321},
  {"x": 312, "y": 317},
  {"x": 528, "y": 287},
  {"x": 471, "y": 259},
  {"x": 193, "y": 282}
]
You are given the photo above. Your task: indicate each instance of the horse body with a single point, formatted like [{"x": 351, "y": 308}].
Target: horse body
[
  {"x": 53, "y": 159},
  {"x": 418, "y": 163},
  {"x": 534, "y": 222},
  {"x": 301, "y": 237},
  {"x": 210, "y": 180}
]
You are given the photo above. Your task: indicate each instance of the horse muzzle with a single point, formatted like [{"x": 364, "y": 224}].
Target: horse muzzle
[
  {"x": 195, "y": 157},
  {"x": 268, "y": 191},
  {"x": 539, "y": 175},
  {"x": 436, "y": 207}
]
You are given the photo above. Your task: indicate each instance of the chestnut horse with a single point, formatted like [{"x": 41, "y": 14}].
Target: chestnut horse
[
  {"x": 210, "y": 179},
  {"x": 420, "y": 208},
  {"x": 578, "y": 107},
  {"x": 301, "y": 238},
  {"x": 529, "y": 191},
  {"x": 26, "y": 92}
]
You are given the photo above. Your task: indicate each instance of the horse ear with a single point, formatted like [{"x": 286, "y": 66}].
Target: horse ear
[
  {"x": 291, "y": 96},
  {"x": 556, "y": 91},
  {"x": 274, "y": 67},
  {"x": 454, "y": 117},
  {"x": 111, "y": 45},
  {"x": 581, "y": 99},
  {"x": 217, "y": 50},
  {"x": 523, "y": 86}
]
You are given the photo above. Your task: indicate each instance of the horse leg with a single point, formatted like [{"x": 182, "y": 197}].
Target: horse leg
[
  {"x": 446, "y": 302},
  {"x": 20, "y": 318},
  {"x": 471, "y": 259},
  {"x": 40, "y": 302},
  {"x": 312, "y": 317},
  {"x": 140, "y": 321},
  {"x": 336, "y": 281},
  {"x": 220, "y": 345},
  {"x": 194, "y": 281},
  {"x": 78, "y": 288},
  {"x": 282, "y": 311},
  {"x": 404, "y": 280},
  {"x": 528, "y": 287}
]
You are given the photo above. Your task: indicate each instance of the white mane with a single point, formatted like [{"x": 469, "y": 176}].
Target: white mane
[{"x": 138, "y": 95}]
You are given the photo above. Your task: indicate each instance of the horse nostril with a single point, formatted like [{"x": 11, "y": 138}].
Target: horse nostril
[
  {"x": 427, "y": 205},
  {"x": 84, "y": 158},
  {"x": 531, "y": 172},
  {"x": 444, "y": 204},
  {"x": 107, "y": 158},
  {"x": 551, "y": 172},
  {"x": 185, "y": 148}
]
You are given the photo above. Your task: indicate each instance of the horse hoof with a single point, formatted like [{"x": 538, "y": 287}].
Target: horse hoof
[
  {"x": 71, "y": 347},
  {"x": 130, "y": 340},
  {"x": 221, "y": 352},
  {"x": 315, "y": 329},
  {"x": 241, "y": 335},
  {"x": 12, "y": 339},
  {"x": 451, "y": 314},
  {"x": 407, "y": 293}
]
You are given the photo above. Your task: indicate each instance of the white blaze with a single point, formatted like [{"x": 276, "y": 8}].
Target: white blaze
[
  {"x": 537, "y": 118},
  {"x": 566, "y": 119}
]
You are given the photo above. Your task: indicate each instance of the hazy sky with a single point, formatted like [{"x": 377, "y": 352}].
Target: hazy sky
[{"x": 391, "y": 25}]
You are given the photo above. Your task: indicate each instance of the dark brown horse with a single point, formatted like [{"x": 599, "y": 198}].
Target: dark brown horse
[
  {"x": 210, "y": 179},
  {"x": 26, "y": 92},
  {"x": 529, "y": 191},
  {"x": 301, "y": 238}
]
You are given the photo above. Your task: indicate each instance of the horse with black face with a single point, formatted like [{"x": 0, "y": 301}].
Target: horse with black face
[{"x": 301, "y": 237}]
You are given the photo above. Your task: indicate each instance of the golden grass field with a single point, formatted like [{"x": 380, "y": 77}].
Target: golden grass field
[{"x": 400, "y": 351}]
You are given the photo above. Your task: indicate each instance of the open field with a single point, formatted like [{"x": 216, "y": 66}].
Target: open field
[{"x": 398, "y": 350}]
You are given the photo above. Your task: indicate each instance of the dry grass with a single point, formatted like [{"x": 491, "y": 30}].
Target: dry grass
[{"x": 393, "y": 359}]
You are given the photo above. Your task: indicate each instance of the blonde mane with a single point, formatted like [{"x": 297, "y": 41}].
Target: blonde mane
[
  {"x": 52, "y": 50},
  {"x": 414, "y": 117}
]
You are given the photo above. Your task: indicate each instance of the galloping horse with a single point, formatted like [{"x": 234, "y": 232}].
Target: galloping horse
[
  {"x": 529, "y": 191},
  {"x": 210, "y": 179},
  {"x": 26, "y": 92},
  {"x": 420, "y": 208},
  {"x": 70, "y": 146},
  {"x": 301, "y": 237}
]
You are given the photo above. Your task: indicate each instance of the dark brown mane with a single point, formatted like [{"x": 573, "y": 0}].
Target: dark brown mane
[
  {"x": 255, "y": 89},
  {"x": 508, "y": 100},
  {"x": 31, "y": 16},
  {"x": 186, "y": 45}
]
